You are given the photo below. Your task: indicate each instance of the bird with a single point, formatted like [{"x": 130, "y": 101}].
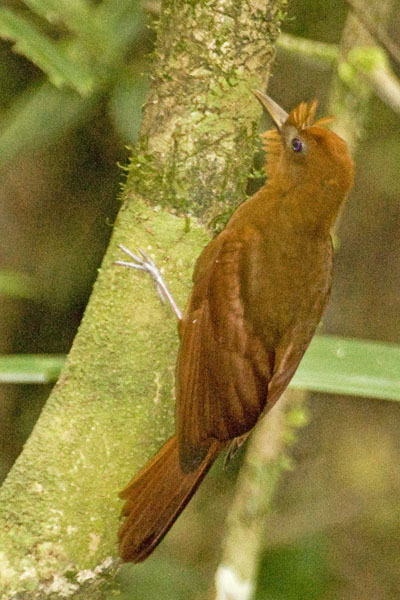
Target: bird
[{"x": 260, "y": 288}]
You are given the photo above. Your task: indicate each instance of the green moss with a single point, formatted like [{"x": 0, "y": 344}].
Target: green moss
[{"x": 111, "y": 409}]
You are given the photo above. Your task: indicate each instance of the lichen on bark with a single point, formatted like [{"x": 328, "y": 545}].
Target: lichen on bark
[{"x": 200, "y": 120}]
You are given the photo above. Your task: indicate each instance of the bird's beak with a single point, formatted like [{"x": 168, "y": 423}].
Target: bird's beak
[{"x": 277, "y": 113}]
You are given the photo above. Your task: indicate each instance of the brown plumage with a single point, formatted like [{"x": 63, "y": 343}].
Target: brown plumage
[{"x": 260, "y": 288}]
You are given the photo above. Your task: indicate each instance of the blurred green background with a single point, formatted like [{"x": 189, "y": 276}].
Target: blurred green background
[{"x": 334, "y": 531}]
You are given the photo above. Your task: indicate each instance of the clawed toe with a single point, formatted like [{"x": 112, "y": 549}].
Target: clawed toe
[{"x": 144, "y": 263}]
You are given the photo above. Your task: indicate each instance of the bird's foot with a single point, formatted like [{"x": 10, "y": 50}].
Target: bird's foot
[{"x": 144, "y": 263}]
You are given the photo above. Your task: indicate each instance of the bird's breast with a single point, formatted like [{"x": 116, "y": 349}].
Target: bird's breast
[{"x": 287, "y": 282}]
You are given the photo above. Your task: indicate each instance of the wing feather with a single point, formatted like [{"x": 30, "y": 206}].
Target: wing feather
[{"x": 223, "y": 369}]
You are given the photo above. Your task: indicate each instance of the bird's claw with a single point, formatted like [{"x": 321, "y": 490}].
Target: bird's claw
[{"x": 144, "y": 263}]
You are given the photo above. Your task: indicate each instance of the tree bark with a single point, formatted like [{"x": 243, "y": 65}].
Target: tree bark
[{"x": 113, "y": 404}]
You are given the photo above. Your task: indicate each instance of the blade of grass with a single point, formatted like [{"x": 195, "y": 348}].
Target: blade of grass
[
  {"x": 350, "y": 366},
  {"x": 30, "y": 368}
]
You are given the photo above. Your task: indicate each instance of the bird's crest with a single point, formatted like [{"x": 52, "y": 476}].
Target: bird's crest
[{"x": 303, "y": 115}]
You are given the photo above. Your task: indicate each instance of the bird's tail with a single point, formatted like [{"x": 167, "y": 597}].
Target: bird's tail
[{"x": 156, "y": 497}]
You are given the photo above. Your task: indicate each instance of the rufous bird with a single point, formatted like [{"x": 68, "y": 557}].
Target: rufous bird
[{"x": 259, "y": 290}]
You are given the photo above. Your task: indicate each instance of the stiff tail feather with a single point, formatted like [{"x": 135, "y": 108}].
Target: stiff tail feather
[{"x": 156, "y": 497}]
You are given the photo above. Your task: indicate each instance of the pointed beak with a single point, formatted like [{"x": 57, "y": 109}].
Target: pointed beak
[{"x": 277, "y": 113}]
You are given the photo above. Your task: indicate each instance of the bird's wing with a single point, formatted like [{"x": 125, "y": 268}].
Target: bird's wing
[{"x": 223, "y": 368}]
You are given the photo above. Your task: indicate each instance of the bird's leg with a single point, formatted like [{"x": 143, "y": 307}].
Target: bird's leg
[{"x": 144, "y": 263}]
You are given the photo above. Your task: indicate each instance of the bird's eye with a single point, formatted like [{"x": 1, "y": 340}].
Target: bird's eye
[{"x": 297, "y": 145}]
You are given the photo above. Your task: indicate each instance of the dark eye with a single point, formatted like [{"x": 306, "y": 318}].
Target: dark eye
[{"x": 297, "y": 145}]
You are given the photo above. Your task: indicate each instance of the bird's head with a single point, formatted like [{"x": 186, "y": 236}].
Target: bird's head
[{"x": 301, "y": 151}]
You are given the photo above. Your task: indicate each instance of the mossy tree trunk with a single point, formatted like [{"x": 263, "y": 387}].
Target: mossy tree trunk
[{"x": 113, "y": 405}]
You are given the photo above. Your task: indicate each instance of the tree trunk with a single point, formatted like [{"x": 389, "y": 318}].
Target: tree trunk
[{"x": 113, "y": 404}]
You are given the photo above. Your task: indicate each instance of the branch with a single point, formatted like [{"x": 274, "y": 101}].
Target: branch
[
  {"x": 371, "y": 65},
  {"x": 113, "y": 405},
  {"x": 365, "y": 63},
  {"x": 266, "y": 459},
  {"x": 351, "y": 94},
  {"x": 326, "y": 54},
  {"x": 375, "y": 29}
]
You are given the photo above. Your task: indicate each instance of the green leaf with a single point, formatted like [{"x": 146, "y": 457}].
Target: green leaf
[
  {"x": 348, "y": 366},
  {"x": 49, "y": 56},
  {"x": 30, "y": 368},
  {"x": 75, "y": 15},
  {"x": 43, "y": 115}
]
